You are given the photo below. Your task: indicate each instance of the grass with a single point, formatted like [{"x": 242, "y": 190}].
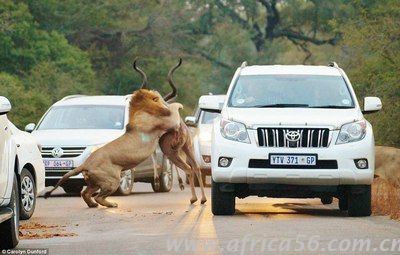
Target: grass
[{"x": 385, "y": 199}]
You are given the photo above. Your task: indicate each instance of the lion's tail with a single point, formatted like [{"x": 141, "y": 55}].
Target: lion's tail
[{"x": 66, "y": 176}]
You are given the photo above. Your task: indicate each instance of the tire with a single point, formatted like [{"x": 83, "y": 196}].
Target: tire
[
  {"x": 222, "y": 203},
  {"x": 359, "y": 201},
  {"x": 73, "y": 189},
  {"x": 326, "y": 200},
  {"x": 343, "y": 203},
  {"x": 27, "y": 202},
  {"x": 9, "y": 230},
  {"x": 126, "y": 183},
  {"x": 166, "y": 177}
]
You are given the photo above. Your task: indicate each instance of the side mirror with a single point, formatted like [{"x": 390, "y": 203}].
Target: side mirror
[
  {"x": 212, "y": 102},
  {"x": 190, "y": 121},
  {"x": 30, "y": 127},
  {"x": 5, "y": 105},
  {"x": 371, "y": 105}
]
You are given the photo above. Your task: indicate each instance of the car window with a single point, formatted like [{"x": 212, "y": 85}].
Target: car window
[
  {"x": 300, "y": 90},
  {"x": 84, "y": 117},
  {"x": 208, "y": 117}
]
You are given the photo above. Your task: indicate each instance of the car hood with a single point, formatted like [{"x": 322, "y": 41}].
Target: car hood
[
  {"x": 253, "y": 117},
  {"x": 75, "y": 137}
]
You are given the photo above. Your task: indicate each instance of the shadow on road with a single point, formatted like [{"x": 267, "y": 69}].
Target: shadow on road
[{"x": 293, "y": 209}]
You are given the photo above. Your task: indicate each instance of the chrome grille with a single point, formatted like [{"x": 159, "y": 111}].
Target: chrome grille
[
  {"x": 309, "y": 137},
  {"x": 68, "y": 152}
]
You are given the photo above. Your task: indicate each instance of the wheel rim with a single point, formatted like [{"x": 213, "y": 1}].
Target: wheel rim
[
  {"x": 27, "y": 194},
  {"x": 167, "y": 175},
  {"x": 125, "y": 183}
]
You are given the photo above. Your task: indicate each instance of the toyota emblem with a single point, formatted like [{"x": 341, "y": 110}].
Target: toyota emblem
[
  {"x": 293, "y": 136},
  {"x": 57, "y": 152}
]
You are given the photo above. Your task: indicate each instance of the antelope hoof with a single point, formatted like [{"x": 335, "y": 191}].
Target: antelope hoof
[
  {"x": 181, "y": 186},
  {"x": 193, "y": 200},
  {"x": 203, "y": 201}
]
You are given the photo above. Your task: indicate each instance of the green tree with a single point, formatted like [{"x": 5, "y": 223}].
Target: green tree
[
  {"x": 27, "y": 105},
  {"x": 372, "y": 59}
]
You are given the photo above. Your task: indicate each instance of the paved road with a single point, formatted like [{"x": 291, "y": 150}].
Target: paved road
[{"x": 149, "y": 223}]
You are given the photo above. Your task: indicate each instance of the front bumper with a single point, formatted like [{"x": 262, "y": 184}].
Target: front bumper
[
  {"x": 52, "y": 175},
  {"x": 346, "y": 173}
]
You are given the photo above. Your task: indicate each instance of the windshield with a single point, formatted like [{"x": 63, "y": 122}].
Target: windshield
[
  {"x": 208, "y": 117},
  {"x": 319, "y": 91},
  {"x": 84, "y": 117}
]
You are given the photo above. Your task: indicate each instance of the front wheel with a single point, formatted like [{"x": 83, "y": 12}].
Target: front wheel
[
  {"x": 166, "y": 177},
  {"x": 9, "y": 230},
  {"x": 359, "y": 201},
  {"x": 28, "y": 195},
  {"x": 126, "y": 183},
  {"x": 222, "y": 203}
]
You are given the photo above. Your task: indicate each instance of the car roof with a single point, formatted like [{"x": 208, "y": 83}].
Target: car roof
[
  {"x": 93, "y": 100},
  {"x": 290, "y": 69}
]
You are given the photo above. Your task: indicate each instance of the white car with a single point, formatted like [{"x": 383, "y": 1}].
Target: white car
[
  {"x": 76, "y": 126},
  {"x": 9, "y": 202},
  {"x": 293, "y": 131},
  {"x": 202, "y": 122},
  {"x": 30, "y": 168}
]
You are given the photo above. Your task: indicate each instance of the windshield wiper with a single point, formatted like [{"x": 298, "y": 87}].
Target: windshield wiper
[
  {"x": 332, "y": 106},
  {"x": 281, "y": 105}
]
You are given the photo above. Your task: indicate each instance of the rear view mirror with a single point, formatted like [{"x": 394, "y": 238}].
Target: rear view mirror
[
  {"x": 5, "y": 105},
  {"x": 190, "y": 121},
  {"x": 212, "y": 102},
  {"x": 30, "y": 127},
  {"x": 372, "y": 104}
]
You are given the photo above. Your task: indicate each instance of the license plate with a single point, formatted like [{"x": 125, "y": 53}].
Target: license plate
[
  {"x": 293, "y": 160},
  {"x": 58, "y": 163}
]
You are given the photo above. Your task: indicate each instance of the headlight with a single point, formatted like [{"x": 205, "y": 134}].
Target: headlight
[
  {"x": 96, "y": 147},
  {"x": 352, "y": 132},
  {"x": 234, "y": 131}
]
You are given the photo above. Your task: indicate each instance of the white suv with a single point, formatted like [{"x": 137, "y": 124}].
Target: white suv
[
  {"x": 9, "y": 193},
  {"x": 76, "y": 126},
  {"x": 293, "y": 131},
  {"x": 202, "y": 124}
]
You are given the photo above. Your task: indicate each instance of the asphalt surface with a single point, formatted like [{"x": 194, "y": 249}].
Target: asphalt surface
[{"x": 165, "y": 223}]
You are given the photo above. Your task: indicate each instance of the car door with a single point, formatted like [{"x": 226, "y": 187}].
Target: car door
[{"x": 4, "y": 137}]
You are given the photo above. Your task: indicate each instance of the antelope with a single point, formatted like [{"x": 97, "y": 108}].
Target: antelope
[
  {"x": 149, "y": 118},
  {"x": 177, "y": 146}
]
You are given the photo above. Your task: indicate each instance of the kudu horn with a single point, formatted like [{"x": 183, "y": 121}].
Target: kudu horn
[
  {"x": 172, "y": 94},
  {"x": 143, "y": 74}
]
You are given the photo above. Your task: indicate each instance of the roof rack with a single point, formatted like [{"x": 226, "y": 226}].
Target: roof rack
[
  {"x": 72, "y": 96},
  {"x": 244, "y": 64},
  {"x": 333, "y": 64}
]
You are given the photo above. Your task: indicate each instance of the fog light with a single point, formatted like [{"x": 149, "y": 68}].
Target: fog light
[
  {"x": 224, "y": 161},
  {"x": 206, "y": 158},
  {"x": 361, "y": 163}
]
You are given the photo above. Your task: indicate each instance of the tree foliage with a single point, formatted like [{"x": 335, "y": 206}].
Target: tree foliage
[{"x": 52, "y": 48}]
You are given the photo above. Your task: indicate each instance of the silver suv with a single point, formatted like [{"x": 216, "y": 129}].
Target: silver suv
[{"x": 76, "y": 126}]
